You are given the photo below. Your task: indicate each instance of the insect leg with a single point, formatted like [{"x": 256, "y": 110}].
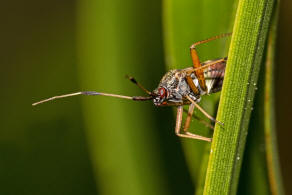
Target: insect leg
[
  {"x": 189, "y": 117},
  {"x": 203, "y": 111},
  {"x": 192, "y": 85},
  {"x": 207, "y": 65},
  {"x": 179, "y": 115},
  {"x": 133, "y": 80},
  {"x": 186, "y": 134},
  {"x": 196, "y": 61},
  {"x": 212, "y": 39},
  {"x": 200, "y": 120}
]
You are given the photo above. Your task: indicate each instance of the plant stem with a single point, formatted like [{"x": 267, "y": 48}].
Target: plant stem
[
  {"x": 273, "y": 166},
  {"x": 186, "y": 22},
  {"x": 245, "y": 55}
]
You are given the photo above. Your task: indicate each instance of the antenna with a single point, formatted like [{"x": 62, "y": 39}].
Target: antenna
[{"x": 135, "y": 98}]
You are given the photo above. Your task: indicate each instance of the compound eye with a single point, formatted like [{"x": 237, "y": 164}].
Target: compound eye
[{"x": 162, "y": 92}]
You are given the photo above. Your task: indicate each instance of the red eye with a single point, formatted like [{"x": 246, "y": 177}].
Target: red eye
[{"x": 162, "y": 92}]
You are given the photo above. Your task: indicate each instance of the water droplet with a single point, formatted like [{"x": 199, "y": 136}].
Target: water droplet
[
  {"x": 238, "y": 158},
  {"x": 251, "y": 108},
  {"x": 248, "y": 100},
  {"x": 254, "y": 84},
  {"x": 211, "y": 151}
]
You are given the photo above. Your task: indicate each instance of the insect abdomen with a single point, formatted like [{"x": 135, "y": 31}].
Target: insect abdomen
[{"x": 214, "y": 75}]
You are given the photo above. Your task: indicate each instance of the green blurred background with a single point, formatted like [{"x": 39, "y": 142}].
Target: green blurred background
[{"x": 99, "y": 145}]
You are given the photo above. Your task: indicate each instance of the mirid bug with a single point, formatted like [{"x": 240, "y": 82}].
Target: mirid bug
[{"x": 179, "y": 87}]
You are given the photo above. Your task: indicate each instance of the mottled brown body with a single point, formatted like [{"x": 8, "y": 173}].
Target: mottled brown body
[
  {"x": 177, "y": 87},
  {"x": 186, "y": 86}
]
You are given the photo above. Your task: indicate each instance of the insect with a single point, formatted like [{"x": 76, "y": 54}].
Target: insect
[{"x": 179, "y": 87}]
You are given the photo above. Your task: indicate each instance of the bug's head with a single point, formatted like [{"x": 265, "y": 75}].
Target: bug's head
[{"x": 160, "y": 96}]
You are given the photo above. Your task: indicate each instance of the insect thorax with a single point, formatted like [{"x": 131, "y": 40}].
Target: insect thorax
[{"x": 175, "y": 83}]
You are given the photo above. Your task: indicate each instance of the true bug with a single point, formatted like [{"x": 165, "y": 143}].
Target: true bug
[{"x": 179, "y": 87}]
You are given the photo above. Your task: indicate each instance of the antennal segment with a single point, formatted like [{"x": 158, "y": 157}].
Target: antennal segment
[{"x": 133, "y": 80}]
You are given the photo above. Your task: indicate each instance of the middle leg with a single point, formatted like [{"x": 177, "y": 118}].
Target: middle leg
[{"x": 186, "y": 134}]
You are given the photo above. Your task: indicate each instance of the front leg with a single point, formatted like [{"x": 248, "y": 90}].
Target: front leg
[{"x": 203, "y": 111}]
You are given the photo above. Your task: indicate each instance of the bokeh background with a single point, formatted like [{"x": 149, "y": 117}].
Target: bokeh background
[{"x": 99, "y": 145}]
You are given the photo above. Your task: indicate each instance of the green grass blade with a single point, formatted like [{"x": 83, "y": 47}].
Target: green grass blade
[
  {"x": 186, "y": 22},
  {"x": 245, "y": 55},
  {"x": 254, "y": 178},
  {"x": 273, "y": 163},
  {"x": 122, "y": 135},
  {"x": 261, "y": 173}
]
